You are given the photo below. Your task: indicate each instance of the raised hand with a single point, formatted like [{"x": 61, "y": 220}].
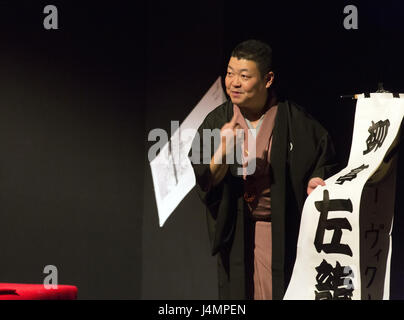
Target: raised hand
[{"x": 228, "y": 137}]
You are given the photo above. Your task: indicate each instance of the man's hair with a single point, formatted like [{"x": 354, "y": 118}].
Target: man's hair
[{"x": 257, "y": 51}]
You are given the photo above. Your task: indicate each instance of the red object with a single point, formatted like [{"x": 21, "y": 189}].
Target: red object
[{"x": 16, "y": 291}]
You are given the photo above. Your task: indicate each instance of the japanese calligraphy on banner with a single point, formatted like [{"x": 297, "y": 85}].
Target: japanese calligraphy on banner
[{"x": 344, "y": 244}]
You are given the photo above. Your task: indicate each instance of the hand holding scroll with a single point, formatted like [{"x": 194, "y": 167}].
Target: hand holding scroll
[{"x": 313, "y": 183}]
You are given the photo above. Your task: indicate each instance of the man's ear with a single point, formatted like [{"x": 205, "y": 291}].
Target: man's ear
[{"x": 269, "y": 79}]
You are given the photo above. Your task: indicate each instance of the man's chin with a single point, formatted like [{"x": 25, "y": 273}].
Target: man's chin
[{"x": 237, "y": 101}]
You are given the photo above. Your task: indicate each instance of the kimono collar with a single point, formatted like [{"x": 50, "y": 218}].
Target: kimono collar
[{"x": 262, "y": 140}]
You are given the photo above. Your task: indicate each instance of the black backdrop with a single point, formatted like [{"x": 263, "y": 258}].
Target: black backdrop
[
  {"x": 77, "y": 105},
  {"x": 72, "y": 126}
]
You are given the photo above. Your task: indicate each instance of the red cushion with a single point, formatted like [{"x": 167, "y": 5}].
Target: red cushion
[{"x": 17, "y": 291}]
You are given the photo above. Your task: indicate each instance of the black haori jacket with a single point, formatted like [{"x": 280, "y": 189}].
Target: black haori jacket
[{"x": 301, "y": 149}]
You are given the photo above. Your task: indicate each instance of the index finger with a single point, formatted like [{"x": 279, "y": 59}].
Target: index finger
[{"x": 233, "y": 120}]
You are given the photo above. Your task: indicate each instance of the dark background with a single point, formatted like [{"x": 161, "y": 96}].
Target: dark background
[
  {"x": 77, "y": 105},
  {"x": 72, "y": 108}
]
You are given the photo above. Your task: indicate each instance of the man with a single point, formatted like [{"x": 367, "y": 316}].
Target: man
[{"x": 254, "y": 218}]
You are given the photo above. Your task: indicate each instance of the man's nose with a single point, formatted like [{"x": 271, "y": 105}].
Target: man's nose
[{"x": 236, "y": 81}]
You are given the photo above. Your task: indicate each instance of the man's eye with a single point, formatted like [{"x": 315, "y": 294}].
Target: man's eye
[
  {"x": 229, "y": 73},
  {"x": 245, "y": 76}
]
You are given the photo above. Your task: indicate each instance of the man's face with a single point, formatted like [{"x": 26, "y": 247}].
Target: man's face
[{"x": 244, "y": 83}]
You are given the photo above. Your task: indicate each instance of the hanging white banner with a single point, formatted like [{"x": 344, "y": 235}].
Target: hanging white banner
[{"x": 336, "y": 229}]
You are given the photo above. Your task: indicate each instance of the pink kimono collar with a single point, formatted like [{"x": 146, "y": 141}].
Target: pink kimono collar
[{"x": 262, "y": 141}]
